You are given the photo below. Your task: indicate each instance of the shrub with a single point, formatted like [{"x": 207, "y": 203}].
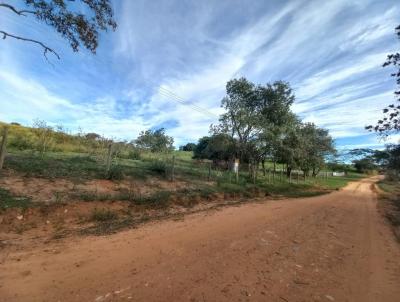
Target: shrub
[
  {"x": 7, "y": 200},
  {"x": 134, "y": 154},
  {"x": 158, "y": 167},
  {"x": 103, "y": 215},
  {"x": 158, "y": 199},
  {"x": 115, "y": 173}
]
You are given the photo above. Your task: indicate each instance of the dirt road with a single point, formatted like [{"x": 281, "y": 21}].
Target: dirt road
[{"x": 330, "y": 248}]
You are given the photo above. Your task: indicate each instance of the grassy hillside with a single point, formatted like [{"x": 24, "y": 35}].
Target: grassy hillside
[{"x": 81, "y": 158}]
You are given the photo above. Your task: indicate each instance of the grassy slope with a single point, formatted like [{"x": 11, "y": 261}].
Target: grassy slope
[{"x": 72, "y": 157}]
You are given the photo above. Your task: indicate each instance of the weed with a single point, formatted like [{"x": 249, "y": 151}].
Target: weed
[
  {"x": 103, "y": 215},
  {"x": 134, "y": 154},
  {"x": 158, "y": 199},
  {"x": 7, "y": 200},
  {"x": 115, "y": 173},
  {"x": 157, "y": 167}
]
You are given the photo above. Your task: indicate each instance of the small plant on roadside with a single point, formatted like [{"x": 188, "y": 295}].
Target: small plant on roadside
[
  {"x": 103, "y": 215},
  {"x": 115, "y": 173},
  {"x": 158, "y": 199},
  {"x": 7, "y": 200},
  {"x": 134, "y": 154},
  {"x": 158, "y": 167}
]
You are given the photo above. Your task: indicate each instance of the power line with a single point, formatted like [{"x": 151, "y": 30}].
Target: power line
[{"x": 174, "y": 97}]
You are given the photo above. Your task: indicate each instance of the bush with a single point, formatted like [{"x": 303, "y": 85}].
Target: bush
[
  {"x": 115, "y": 173},
  {"x": 103, "y": 215},
  {"x": 158, "y": 167},
  {"x": 7, "y": 200},
  {"x": 134, "y": 154},
  {"x": 158, "y": 199}
]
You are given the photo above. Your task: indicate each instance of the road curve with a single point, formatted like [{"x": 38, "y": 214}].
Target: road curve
[{"x": 334, "y": 247}]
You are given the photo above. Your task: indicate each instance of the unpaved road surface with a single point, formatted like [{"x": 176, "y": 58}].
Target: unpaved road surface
[{"x": 335, "y": 247}]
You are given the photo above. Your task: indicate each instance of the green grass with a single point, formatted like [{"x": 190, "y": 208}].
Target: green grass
[
  {"x": 388, "y": 186},
  {"x": 7, "y": 201},
  {"x": 392, "y": 198},
  {"x": 335, "y": 183}
]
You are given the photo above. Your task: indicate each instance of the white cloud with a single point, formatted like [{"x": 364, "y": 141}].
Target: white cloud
[{"x": 329, "y": 49}]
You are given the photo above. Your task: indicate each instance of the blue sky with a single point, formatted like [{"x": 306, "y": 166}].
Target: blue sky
[{"x": 330, "y": 51}]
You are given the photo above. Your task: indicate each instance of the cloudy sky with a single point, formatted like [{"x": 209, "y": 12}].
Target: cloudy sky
[{"x": 166, "y": 54}]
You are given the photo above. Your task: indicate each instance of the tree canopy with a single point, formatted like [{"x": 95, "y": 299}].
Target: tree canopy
[
  {"x": 155, "y": 140},
  {"x": 390, "y": 120},
  {"x": 258, "y": 125},
  {"x": 77, "y": 28}
]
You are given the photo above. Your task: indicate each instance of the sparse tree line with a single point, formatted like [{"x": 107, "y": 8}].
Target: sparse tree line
[
  {"x": 258, "y": 126},
  {"x": 42, "y": 138}
]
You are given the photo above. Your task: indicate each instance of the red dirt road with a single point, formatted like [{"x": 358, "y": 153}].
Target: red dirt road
[{"x": 335, "y": 247}]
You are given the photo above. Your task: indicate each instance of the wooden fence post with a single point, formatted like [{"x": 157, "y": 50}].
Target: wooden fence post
[
  {"x": 173, "y": 168},
  {"x": 297, "y": 181},
  {"x": 109, "y": 155},
  {"x": 209, "y": 172},
  {"x": 3, "y": 147}
]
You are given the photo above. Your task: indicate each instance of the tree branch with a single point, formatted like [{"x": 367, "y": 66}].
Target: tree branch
[
  {"x": 18, "y": 12},
  {"x": 46, "y": 49}
]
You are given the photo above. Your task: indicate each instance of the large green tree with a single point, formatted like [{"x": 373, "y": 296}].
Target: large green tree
[
  {"x": 79, "y": 29},
  {"x": 155, "y": 141},
  {"x": 390, "y": 122},
  {"x": 217, "y": 147},
  {"x": 242, "y": 115}
]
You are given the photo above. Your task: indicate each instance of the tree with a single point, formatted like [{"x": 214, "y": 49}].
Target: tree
[
  {"x": 315, "y": 145},
  {"x": 188, "y": 147},
  {"x": 77, "y": 28},
  {"x": 276, "y": 120},
  {"x": 218, "y": 147},
  {"x": 44, "y": 134},
  {"x": 242, "y": 115},
  {"x": 155, "y": 140},
  {"x": 391, "y": 119},
  {"x": 364, "y": 165},
  {"x": 393, "y": 161}
]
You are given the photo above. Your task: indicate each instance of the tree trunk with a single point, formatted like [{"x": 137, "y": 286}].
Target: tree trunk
[{"x": 288, "y": 171}]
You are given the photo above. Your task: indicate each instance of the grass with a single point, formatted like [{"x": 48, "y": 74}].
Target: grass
[
  {"x": 7, "y": 201},
  {"x": 390, "y": 203},
  {"x": 82, "y": 166},
  {"x": 103, "y": 215}
]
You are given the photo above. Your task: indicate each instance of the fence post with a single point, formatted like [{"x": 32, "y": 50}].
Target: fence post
[
  {"x": 290, "y": 176},
  {"x": 297, "y": 180},
  {"x": 254, "y": 173},
  {"x": 109, "y": 155},
  {"x": 3, "y": 147},
  {"x": 236, "y": 169},
  {"x": 173, "y": 168},
  {"x": 209, "y": 172}
]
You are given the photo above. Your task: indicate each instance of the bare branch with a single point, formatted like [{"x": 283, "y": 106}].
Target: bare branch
[
  {"x": 18, "y": 12},
  {"x": 46, "y": 49}
]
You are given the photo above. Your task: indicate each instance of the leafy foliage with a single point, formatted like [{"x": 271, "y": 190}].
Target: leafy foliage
[
  {"x": 391, "y": 119},
  {"x": 77, "y": 28},
  {"x": 259, "y": 125},
  {"x": 7, "y": 200},
  {"x": 188, "y": 147},
  {"x": 219, "y": 146},
  {"x": 155, "y": 140}
]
